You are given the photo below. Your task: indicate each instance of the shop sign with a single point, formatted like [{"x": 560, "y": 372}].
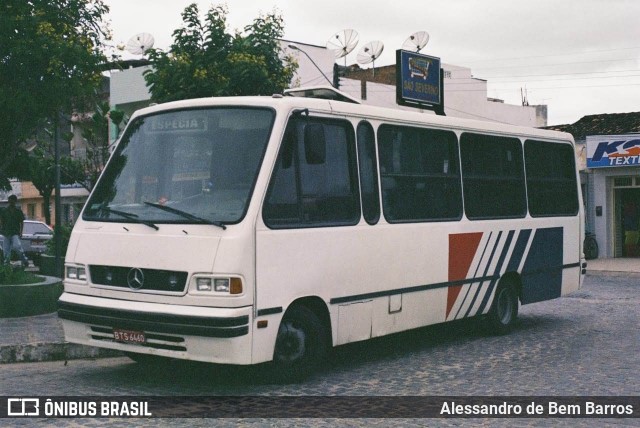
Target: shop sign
[
  {"x": 605, "y": 151},
  {"x": 419, "y": 80}
]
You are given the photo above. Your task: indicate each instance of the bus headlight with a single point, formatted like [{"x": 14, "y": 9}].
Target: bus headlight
[
  {"x": 203, "y": 284},
  {"x": 76, "y": 273},
  {"x": 219, "y": 285}
]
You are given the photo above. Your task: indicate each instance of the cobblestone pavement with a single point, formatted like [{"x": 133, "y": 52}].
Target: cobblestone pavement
[
  {"x": 45, "y": 328},
  {"x": 586, "y": 344}
]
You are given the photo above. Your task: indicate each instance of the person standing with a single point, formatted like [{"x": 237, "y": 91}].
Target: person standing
[{"x": 11, "y": 222}]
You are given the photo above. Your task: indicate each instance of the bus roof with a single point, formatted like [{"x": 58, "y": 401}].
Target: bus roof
[{"x": 418, "y": 117}]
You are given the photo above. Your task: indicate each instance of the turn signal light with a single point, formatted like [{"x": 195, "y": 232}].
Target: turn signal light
[{"x": 236, "y": 286}]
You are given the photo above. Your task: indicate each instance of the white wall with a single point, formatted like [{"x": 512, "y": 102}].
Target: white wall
[
  {"x": 16, "y": 189},
  {"x": 308, "y": 74},
  {"x": 128, "y": 86},
  {"x": 464, "y": 97}
]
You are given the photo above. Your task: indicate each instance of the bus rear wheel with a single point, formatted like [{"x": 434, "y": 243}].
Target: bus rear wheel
[
  {"x": 301, "y": 345},
  {"x": 504, "y": 310}
]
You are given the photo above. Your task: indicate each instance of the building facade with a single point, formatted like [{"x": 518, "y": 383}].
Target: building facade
[
  {"x": 72, "y": 199},
  {"x": 465, "y": 96},
  {"x": 609, "y": 145}
]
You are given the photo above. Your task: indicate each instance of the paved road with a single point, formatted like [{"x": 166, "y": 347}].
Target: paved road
[{"x": 584, "y": 344}]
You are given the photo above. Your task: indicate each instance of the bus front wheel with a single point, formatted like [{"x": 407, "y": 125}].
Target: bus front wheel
[
  {"x": 301, "y": 345},
  {"x": 504, "y": 310}
]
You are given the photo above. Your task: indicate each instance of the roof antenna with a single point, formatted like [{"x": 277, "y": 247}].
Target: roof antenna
[
  {"x": 524, "y": 96},
  {"x": 342, "y": 43},
  {"x": 416, "y": 41},
  {"x": 370, "y": 52}
]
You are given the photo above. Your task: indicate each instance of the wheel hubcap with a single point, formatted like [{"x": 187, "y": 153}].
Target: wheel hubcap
[
  {"x": 505, "y": 308},
  {"x": 290, "y": 343}
]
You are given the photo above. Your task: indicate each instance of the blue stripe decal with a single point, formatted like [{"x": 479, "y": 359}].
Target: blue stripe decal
[
  {"x": 486, "y": 270},
  {"x": 539, "y": 281},
  {"x": 518, "y": 251},
  {"x": 492, "y": 284}
]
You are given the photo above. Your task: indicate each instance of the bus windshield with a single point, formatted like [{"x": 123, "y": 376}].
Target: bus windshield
[{"x": 186, "y": 166}]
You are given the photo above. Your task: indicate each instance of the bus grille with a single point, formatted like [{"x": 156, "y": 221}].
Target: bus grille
[{"x": 138, "y": 279}]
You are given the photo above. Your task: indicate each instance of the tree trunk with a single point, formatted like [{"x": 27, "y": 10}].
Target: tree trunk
[{"x": 47, "y": 211}]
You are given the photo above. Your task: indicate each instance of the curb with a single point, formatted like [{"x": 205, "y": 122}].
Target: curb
[
  {"x": 38, "y": 352},
  {"x": 22, "y": 300},
  {"x": 613, "y": 273}
]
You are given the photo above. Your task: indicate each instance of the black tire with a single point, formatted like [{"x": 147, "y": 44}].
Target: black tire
[
  {"x": 301, "y": 345},
  {"x": 504, "y": 309},
  {"x": 590, "y": 248}
]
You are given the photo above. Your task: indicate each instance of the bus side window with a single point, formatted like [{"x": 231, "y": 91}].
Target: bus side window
[
  {"x": 493, "y": 176},
  {"x": 551, "y": 179},
  {"x": 307, "y": 193},
  {"x": 419, "y": 174},
  {"x": 368, "y": 173}
]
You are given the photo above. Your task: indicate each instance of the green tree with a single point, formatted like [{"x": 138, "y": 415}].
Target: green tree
[
  {"x": 205, "y": 61},
  {"x": 95, "y": 131},
  {"x": 42, "y": 173},
  {"x": 51, "y": 56}
]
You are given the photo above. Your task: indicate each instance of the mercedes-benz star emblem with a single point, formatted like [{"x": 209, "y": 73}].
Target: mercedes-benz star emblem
[{"x": 135, "y": 279}]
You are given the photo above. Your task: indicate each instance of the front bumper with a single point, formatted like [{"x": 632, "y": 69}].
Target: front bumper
[{"x": 219, "y": 335}]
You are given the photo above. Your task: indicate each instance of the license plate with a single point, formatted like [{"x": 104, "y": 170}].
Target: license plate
[{"x": 128, "y": 336}]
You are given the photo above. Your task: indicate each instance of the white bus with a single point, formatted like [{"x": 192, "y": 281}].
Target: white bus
[{"x": 254, "y": 229}]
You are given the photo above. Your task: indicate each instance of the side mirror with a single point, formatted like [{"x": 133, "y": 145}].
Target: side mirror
[{"x": 315, "y": 144}]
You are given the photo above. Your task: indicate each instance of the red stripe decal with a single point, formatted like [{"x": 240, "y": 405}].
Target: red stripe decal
[{"x": 462, "y": 249}]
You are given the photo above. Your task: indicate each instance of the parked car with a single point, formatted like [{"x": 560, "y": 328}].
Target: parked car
[{"x": 35, "y": 235}]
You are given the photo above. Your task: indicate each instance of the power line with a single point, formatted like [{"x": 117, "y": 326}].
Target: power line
[
  {"x": 562, "y": 74},
  {"x": 550, "y": 87},
  {"x": 560, "y": 64},
  {"x": 478, "y": 116},
  {"x": 545, "y": 80},
  {"x": 552, "y": 55},
  {"x": 381, "y": 89}
]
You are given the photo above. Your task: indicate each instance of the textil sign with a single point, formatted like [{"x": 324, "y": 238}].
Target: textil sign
[{"x": 613, "y": 151}]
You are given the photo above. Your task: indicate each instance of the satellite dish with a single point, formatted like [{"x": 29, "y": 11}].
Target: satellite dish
[
  {"x": 370, "y": 52},
  {"x": 140, "y": 43},
  {"x": 342, "y": 43},
  {"x": 416, "y": 41}
]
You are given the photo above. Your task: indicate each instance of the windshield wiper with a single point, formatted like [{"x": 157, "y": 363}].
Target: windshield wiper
[
  {"x": 129, "y": 216},
  {"x": 187, "y": 215}
]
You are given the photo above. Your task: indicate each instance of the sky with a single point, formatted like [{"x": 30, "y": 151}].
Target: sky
[{"x": 580, "y": 57}]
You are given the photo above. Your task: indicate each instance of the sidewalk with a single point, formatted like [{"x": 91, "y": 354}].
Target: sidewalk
[
  {"x": 41, "y": 338},
  {"x": 620, "y": 265}
]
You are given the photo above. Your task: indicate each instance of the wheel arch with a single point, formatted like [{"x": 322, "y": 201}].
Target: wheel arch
[{"x": 318, "y": 306}]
